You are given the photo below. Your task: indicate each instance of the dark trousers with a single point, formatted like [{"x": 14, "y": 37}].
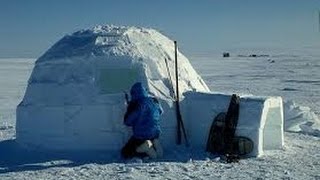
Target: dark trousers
[{"x": 129, "y": 150}]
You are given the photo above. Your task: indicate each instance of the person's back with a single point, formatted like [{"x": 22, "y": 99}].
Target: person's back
[{"x": 147, "y": 126}]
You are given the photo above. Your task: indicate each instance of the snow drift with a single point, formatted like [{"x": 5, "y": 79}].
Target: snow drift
[
  {"x": 75, "y": 100},
  {"x": 301, "y": 119}
]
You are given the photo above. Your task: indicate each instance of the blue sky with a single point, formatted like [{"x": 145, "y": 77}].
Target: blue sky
[{"x": 29, "y": 28}]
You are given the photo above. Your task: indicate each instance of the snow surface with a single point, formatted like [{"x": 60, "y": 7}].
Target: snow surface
[{"x": 289, "y": 76}]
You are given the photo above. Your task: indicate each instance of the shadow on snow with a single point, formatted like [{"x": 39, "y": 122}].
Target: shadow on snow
[{"x": 14, "y": 158}]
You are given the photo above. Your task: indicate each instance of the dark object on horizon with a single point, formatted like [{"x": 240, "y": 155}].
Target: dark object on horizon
[
  {"x": 258, "y": 55},
  {"x": 226, "y": 54},
  {"x": 271, "y": 61},
  {"x": 254, "y": 55},
  {"x": 289, "y": 89}
]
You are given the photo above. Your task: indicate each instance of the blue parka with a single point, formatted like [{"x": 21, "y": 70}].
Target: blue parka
[{"x": 143, "y": 114}]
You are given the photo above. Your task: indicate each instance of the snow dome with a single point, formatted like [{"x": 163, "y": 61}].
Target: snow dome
[{"x": 75, "y": 96}]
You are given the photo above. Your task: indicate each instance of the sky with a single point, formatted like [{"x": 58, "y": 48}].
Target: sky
[{"x": 29, "y": 28}]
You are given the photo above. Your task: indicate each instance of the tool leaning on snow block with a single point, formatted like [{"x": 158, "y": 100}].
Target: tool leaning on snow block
[
  {"x": 143, "y": 115},
  {"x": 222, "y": 139}
]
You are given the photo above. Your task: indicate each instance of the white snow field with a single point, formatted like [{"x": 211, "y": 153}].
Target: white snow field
[{"x": 288, "y": 73}]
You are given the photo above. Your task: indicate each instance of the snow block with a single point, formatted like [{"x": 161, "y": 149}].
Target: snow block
[
  {"x": 260, "y": 119},
  {"x": 85, "y": 127}
]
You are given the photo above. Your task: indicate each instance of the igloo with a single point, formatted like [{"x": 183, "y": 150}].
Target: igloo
[{"x": 75, "y": 95}]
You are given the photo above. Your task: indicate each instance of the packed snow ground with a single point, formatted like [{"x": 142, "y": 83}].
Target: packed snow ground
[
  {"x": 299, "y": 160},
  {"x": 293, "y": 76}
]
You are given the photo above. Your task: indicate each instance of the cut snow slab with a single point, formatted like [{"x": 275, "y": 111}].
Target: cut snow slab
[{"x": 75, "y": 100}]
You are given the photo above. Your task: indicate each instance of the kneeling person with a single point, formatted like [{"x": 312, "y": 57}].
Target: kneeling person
[{"x": 143, "y": 115}]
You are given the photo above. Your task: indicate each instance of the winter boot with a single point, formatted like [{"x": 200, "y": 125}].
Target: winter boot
[
  {"x": 157, "y": 146},
  {"x": 147, "y": 147}
]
